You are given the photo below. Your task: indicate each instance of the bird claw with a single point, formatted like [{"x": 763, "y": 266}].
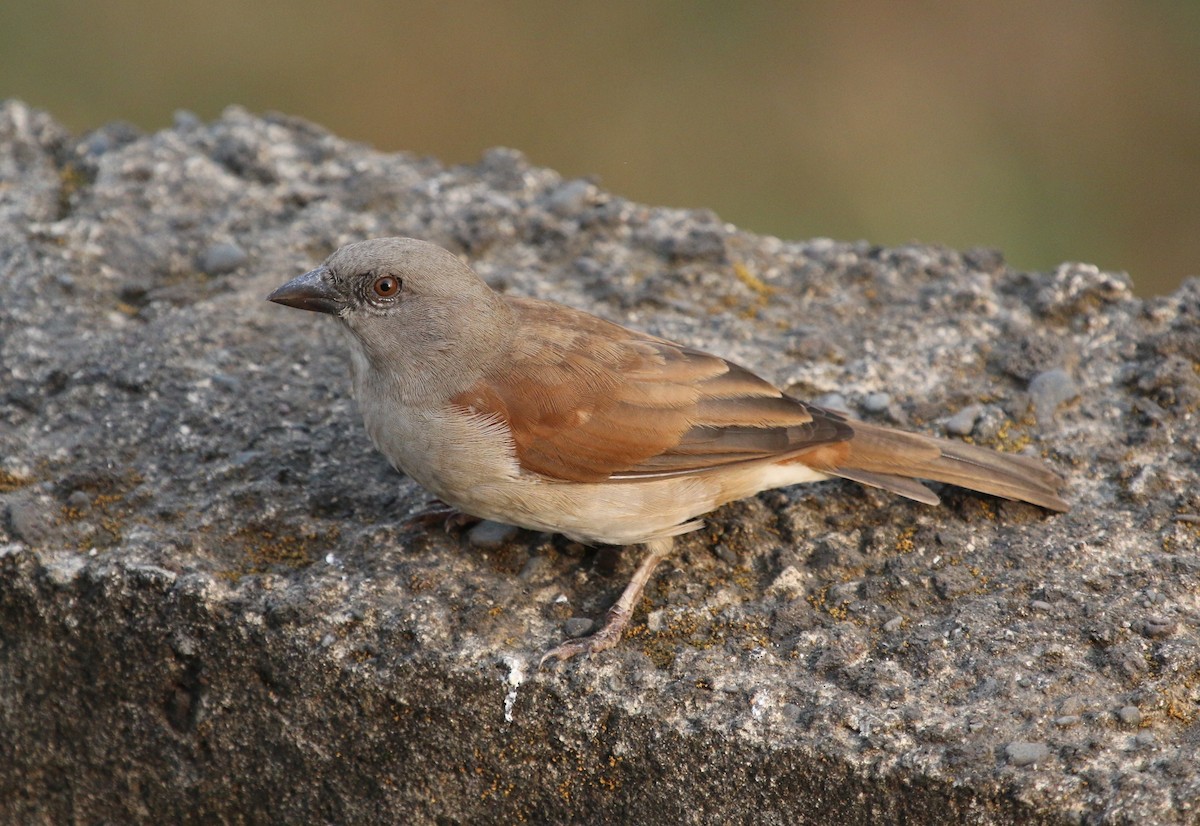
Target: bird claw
[
  {"x": 602, "y": 640},
  {"x": 438, "y": 513}
]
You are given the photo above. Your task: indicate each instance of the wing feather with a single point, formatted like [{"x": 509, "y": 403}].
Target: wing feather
[{"x": 587, "y": 400}]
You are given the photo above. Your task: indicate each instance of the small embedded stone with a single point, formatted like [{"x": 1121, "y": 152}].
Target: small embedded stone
[
  {"x": 28, "y": 521},
  {"x": 832, "y": 401},
  {"x": 963, "y": 422},
  {"x": 1129, "y": 715},
  {"x": 221, "y": 258},
  {"x": 578, "y": 627},
  {"x": 725, "y": 554},
  {"x": 1047, "y": 391},
  {"x": 876, "y": 402},
  {"x": 571, "y": 198},
  {"x": 1026, "y": 754},
  {"x": 1157, "y": 627},
  {"x": 489, "y": 535}
]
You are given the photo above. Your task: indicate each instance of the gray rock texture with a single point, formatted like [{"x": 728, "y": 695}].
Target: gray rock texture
[{"x": 214, "y": 607}]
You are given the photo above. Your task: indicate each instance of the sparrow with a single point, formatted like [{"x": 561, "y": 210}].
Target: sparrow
[{"x": 534, "y": 414}]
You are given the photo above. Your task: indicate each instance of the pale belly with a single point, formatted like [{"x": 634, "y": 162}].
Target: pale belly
[{"x": 469, "y": 463}]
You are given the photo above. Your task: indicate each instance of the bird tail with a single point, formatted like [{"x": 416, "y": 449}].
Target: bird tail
[{"x": 894, "y": 460}]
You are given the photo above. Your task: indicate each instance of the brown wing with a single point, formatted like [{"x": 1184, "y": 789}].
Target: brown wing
[{"x": 587, "y": 400}]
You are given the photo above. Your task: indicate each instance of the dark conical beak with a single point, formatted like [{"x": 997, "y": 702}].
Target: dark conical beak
[{"x": 311, "y": 291}]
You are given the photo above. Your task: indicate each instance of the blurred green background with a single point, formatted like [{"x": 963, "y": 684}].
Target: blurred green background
[{"x": 1052, "y": 131}]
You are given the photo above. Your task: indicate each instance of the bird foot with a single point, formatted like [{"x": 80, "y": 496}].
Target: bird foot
[
  {"x": 438, "y": 513},
  {"x": 621, "y": 612},
  {"x": 602, "y": 640}
]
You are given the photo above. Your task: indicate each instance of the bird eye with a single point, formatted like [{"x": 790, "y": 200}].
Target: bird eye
[{"x": 386, "y": 286}]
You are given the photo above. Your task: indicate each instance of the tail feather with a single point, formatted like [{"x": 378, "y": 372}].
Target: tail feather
[
  {"x": 908, "y": 488},
  {"x": 892, "y": 459}
]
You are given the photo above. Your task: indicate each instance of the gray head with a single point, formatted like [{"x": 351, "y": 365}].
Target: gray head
[{"x": 416, "y": 314}]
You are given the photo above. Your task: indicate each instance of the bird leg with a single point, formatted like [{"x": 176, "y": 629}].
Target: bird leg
[{"x": 619, "y": 615}]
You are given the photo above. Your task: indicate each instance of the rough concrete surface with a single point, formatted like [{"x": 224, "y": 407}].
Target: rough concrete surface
[{"x": 213, "y": 606}]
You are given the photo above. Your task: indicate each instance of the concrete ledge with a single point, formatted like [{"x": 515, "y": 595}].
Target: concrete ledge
[{"x": 211, "y": 605}]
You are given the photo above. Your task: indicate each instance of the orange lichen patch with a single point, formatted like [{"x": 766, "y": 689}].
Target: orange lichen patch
[
  {"x": 509, "y": 558},
  {"x": 752, "y": 281},
  {"x": 762, "y": 290},
  {"x": 1182, "y": 700},
  {"x": 419, "y": 583},
  {"x": 10, "y": 481},
  {"x": 265, "y": 548},
  {"x": 820, "y": 601},
  {"x": 71, "y": 180},
  {"x": 1011, "y": 437},
  {"x": 1183, "y": 534},
  {"x": 106, "y": 512},
  {"x": 700, "y": 628}
]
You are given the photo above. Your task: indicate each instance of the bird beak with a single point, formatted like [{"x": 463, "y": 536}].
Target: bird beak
[{"x": 311, "y": 291}]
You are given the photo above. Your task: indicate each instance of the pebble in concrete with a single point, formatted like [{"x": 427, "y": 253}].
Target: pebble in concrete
[
  {"x": 1047, "y": 391},
  {"x": 1026, "y": 754},
  {"x": 489, "y": 535},
  {"x": 222, "y": 258}
]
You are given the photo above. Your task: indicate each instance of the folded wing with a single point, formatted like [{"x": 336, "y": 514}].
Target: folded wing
[{"x": 587, "y": 400}]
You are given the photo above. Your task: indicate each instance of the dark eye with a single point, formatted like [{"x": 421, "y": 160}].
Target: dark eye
[{"x": 386, "y": 286}]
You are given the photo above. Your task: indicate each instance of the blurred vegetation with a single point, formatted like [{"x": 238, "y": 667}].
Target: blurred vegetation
[{"x": 1052, "y": 131}]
